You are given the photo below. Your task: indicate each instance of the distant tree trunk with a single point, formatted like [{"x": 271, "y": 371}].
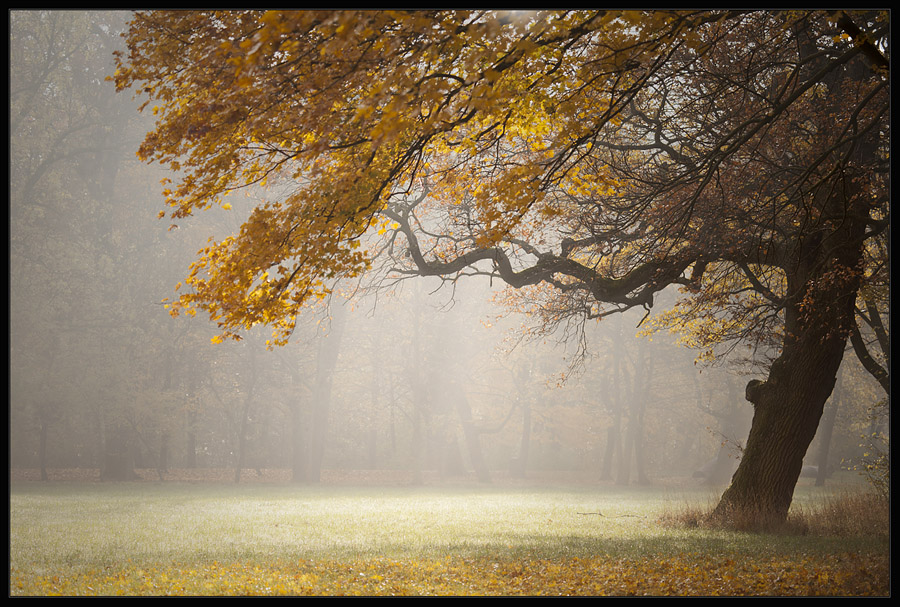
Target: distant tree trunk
[
  {"x": 392, "y": 410},
  {"x": 137, "y": 454},
  {"x": 471, "y": 435},
  {"x": 634, "y": 447},
  {"x": 372, "y": 449},
  {"x": 47, "y": 412},
  {"x": 245, "y": 417},
  {"x": 299, "y": 443},
  {"x": 42, "y": 454},
  {"x": 638, "y": 392},
  {"x": 162, "y": 464},
  {"x": 521, "y": 462},
  {"x": 826, "y": 429},
  {"x": 372, "y": 435},
  {"x": 722, "y": 467},
  {"x": 637, "y": 440},
  {"x": 118, "y": 462},
  {"x": 613, "y": 451},
  {"x": 643, "y": 381},
  {"x": 732, "y": 424},
  {"x": 524, "y": 399},
  {"x": 420, "y": 408},
  {"x": 418, "y": 445},
  {"x": 453, "y": 460},
  {"x": 623, "y": 476},
  {"x": 326, "y": 362},
  {"x": 193, "y": 382},
  {"x": 191, "y": 440}
]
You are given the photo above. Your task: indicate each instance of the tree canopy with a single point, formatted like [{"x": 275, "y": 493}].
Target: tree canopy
[{"x": 589, "y": 159}]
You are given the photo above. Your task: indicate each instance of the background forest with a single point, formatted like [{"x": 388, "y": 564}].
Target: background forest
[{"x": 412, "y": 378}]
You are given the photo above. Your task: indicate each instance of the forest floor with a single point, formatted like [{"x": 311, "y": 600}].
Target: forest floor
[{"x": 373, "y": 533}]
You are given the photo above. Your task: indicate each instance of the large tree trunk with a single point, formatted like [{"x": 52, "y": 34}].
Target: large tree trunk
[
  {"x": 788, "y": 407},
  {"x": 789, "y": 404}
]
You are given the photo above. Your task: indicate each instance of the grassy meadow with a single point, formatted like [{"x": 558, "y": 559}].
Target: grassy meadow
[{"x": 172, "y": 538}]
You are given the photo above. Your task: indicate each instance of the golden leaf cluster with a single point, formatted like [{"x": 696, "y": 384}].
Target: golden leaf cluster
[{"x": 357, "y": 109}]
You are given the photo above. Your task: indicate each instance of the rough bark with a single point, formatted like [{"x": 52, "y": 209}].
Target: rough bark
[{"x": 789, "y": 403}]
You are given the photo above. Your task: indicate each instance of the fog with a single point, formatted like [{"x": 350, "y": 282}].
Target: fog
[{"x": 424, "y": 382}]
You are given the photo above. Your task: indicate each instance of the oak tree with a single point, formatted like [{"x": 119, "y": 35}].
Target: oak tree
[{"x": 589, "y": 159}]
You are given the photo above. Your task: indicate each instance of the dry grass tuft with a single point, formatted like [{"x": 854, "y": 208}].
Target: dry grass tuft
[
  {"x": 847, "y": 515},
  {"x": 850, "y": 514}
]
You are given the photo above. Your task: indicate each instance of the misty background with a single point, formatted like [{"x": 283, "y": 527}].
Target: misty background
[{"x": 434, "y": 382}]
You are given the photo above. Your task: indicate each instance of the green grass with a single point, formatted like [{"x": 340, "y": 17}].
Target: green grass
[{"x": 69, "y": 526}]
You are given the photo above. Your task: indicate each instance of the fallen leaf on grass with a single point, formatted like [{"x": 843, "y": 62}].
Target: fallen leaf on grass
[{"x": 679, "y": 575}]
